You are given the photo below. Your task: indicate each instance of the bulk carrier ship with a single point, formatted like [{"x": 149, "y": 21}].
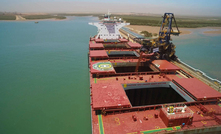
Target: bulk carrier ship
[{"x": 138, "y": 88}]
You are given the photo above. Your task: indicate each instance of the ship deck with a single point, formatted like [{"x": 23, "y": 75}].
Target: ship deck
[
  {"x": 123, "y": 123},
  {"x": 125, "y": 101}
]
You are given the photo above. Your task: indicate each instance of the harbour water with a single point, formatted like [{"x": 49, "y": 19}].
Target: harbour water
[
  {"x": 44, "y": 79},
  {"x": 201, "y": 51}
]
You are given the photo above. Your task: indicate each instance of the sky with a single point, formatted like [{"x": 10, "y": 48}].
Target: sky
[{"x": 179, "y": 7}]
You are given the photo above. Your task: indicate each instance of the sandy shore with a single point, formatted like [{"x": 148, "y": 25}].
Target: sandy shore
[
  {"x": 19, "y": 18},
  {"x": 152, "y": 29},
  {"x": 213, "y": 30}
]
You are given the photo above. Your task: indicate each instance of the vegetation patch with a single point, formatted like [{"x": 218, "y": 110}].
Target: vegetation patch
[
  {"x": 7, "y": 17},
  {"x": 79, "y": 14},
  {"x": 185, "y": 22},
  {"x": 155, "y": 34},
  {"x": 146, "y": 34},
  {"x": 34, "y": 17}
]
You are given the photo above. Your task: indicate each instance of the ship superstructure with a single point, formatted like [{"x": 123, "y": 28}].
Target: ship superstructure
[
  {"x": 109, "y": 28},
  {"x": 135, "y": 89}
]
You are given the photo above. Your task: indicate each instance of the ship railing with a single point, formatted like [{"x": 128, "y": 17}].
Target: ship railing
[
  {"x": 112, "y": 48},
  {"x": 118, "y": 48},
  {"x": 203, "y": 74},
  {"x": 155, "y": 107},
  {"x": 128, "y": 74},
  {"x": 138, "y": 74},
  {"x": 131, "y": 109},
  {"x": 124, "y": 58},
  {"x": 114, "y": 58},
  {"x": 196, "y": 129}
]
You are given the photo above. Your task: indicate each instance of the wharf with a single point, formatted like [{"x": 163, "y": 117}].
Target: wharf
[{"x": 214, "y": 83}]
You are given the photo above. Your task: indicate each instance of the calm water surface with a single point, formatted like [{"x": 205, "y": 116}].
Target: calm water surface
[
  {"x": 201, "y": 51},
  {"x": 44, "y": 79}
]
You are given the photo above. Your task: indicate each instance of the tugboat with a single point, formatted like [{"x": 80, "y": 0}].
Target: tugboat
[{"x": 138, "y": 88}]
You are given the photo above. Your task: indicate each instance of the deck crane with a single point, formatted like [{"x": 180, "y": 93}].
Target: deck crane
[
  {"x": 167, "y": 48},
  {"x": 165, "y": 33},
  {"x": 162, "y": 45}
]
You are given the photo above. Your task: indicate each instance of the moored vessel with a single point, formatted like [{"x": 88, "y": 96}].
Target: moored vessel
[{"x": 138, "y": 89}]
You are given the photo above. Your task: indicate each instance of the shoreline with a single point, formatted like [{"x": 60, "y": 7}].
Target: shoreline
[
  {"x": 134, "y": 28},
  {"x": 46, "y": 19},
  {"x": 49, "y": 19},
  {"x": 184, "y": 31}
]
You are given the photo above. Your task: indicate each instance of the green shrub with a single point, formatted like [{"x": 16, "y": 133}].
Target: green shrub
[
  {"x": 34, "y": 17},
  {"x": 7, "y": 17},
  {"x": 146, "y": 34},
  {"x": 155, "y": 34},
  {"x": 186, "y": 22}
]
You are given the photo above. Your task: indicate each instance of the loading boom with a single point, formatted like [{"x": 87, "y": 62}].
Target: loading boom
[{"x": 163, "y": 45}]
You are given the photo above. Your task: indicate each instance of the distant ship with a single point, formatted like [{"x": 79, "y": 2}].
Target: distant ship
[
  {"x": 145, "y": 88},
  {"x": 36, "y": 22}
]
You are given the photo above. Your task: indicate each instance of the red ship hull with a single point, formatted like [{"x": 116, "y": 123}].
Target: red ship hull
[{"x": 125, "y": 101}]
